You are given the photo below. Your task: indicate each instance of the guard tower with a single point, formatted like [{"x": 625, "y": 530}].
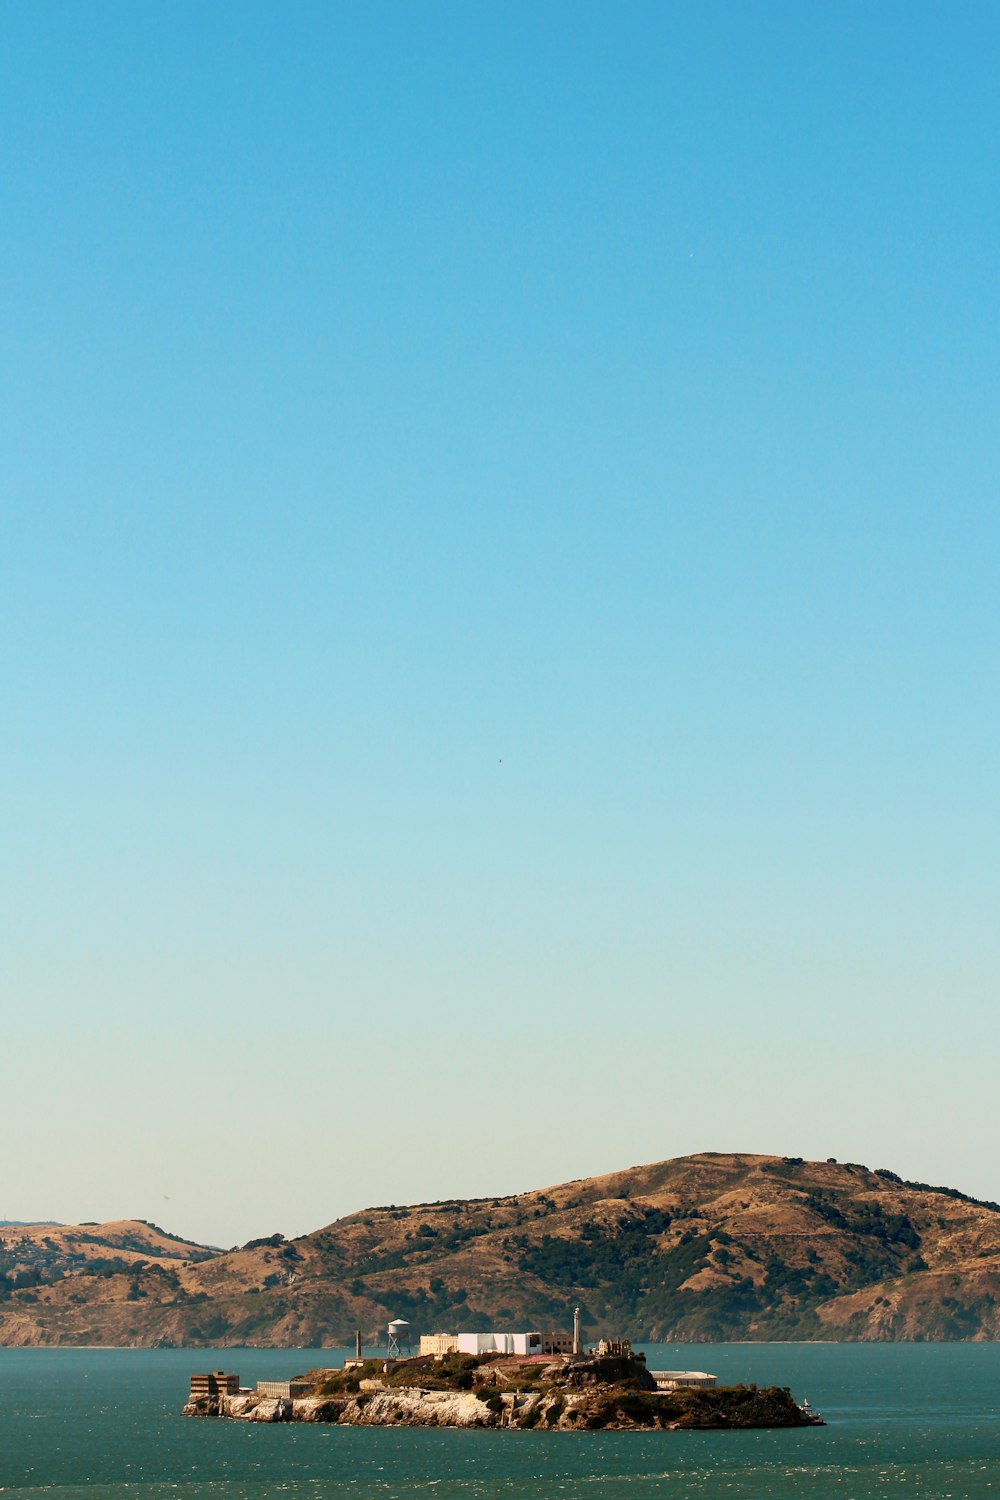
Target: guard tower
[{"x": 399, "y": 1337}]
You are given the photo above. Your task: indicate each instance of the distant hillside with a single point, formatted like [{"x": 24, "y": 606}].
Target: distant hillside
[
  {"x": 26, "y": 1223},
  {"x": 705, "y": 1247}
]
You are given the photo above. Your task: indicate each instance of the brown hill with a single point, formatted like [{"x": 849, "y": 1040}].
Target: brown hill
[{"x": 701, "y": 1248}]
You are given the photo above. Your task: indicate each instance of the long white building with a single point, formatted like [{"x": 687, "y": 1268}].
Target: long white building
[
  {"x": 481, "y": 1343},
  {"x": 499, "y": 1343}
]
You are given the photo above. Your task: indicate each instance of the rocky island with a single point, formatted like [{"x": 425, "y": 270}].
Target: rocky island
[{"x": 565, "y": 1393}]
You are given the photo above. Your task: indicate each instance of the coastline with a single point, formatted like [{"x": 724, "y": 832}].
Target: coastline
[{"x": 576, "y": 1392}]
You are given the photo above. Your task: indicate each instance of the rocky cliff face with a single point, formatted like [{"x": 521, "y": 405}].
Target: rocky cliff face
[{"x": 717, "y": 1246}]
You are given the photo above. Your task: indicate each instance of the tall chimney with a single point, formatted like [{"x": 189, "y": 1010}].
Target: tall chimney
[
  {"x": 357, "y": 1344},
  {"x": 576, "y": 1330}
]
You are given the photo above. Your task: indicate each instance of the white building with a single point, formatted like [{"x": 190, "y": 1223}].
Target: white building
[{"x": 499, "y": 1343}]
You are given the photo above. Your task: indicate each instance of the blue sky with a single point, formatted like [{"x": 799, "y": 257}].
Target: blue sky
[{"x": 497, "y": 583}]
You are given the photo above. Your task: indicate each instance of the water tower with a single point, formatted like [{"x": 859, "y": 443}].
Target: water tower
[{"x": 399, "y": 1335}]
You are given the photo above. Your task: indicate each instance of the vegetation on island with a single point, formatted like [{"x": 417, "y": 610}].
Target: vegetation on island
[{"x": 579, "y": 1393}]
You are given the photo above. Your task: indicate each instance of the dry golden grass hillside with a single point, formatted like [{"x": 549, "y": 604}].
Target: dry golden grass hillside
[{"x": 708, "y": 1247}]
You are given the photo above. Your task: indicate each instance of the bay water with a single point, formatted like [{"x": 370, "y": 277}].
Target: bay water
[{"x": 918, "y": 1420}]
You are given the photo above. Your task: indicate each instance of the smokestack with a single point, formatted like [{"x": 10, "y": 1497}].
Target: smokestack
[
  {"x": 576, "y": 1330},
  {"x": 357, "y": 1344}
]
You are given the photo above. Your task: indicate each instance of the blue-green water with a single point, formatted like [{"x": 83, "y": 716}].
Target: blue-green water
[{"x": 904, "y": 1420}]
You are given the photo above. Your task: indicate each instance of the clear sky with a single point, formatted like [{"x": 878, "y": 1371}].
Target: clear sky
[{"x": 498, "y": 583}]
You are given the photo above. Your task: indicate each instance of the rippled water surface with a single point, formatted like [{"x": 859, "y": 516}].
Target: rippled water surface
[{"x": 904, "y": 1420}]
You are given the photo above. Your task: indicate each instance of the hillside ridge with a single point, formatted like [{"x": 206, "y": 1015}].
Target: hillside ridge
[{"x": 715, "y": 1246}]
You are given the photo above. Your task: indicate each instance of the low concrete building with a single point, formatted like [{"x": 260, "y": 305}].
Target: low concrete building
[
  {"x": 672, "y": 1380},
  {"x": 439, "y": 1343},
  {"x": 286, "y": 1389}
]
